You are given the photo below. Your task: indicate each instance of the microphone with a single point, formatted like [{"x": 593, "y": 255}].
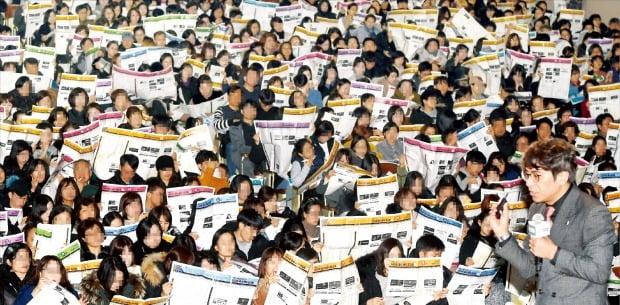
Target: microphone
[{"x": 536, "y": 228}]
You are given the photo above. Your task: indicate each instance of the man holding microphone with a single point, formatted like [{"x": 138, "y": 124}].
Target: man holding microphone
[{"x": 573, "y": 262}]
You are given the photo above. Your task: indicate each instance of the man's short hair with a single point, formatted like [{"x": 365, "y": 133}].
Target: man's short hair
[
  {"x": 132, "y": 160},
  {"x": 429, "y": 242},
  {"x": 475, "y": 156},
  {"x": 250, "y": 217},
  {"x": 555, "y": 155}
]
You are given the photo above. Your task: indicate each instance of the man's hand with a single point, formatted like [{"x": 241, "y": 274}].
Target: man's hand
[
  {"x": 543, "y": 247},
  {"x": 375, "y": 301},
  {"x": 166, "y": 289},
  {"x": 440, "y": 294},
  {"x": 500, "y": 226}
]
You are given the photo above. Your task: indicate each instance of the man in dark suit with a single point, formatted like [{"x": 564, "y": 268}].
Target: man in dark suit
[{"x": 573, "y": 262}]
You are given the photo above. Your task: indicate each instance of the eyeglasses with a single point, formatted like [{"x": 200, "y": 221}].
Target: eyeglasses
[{"x": 534, "y": 174}]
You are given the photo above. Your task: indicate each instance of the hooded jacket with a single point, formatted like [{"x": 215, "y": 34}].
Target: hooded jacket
[
  {"x": 95, "y": 294},
  {"x": 154, "y": 274}
]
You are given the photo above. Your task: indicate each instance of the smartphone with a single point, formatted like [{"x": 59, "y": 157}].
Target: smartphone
[{"x": 500, "y": 208}]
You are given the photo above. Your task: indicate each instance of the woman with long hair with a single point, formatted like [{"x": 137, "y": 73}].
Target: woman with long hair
[
  {"x": 112, "y": 278},
  {"x": 49, "y": 271}
]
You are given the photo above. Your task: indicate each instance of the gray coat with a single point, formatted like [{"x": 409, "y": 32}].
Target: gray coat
[{"x": 583, "y": 231}]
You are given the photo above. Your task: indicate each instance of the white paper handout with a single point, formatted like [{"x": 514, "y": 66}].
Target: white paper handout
[
  {"x": 51, "y": 239},
  {"x": 555, "y": 80},
  {"x": 433, "y": 161},
  {"x": 477, "y": 137},
  {"x": 54, "y": 295},
  {"x": 278, "y": 139},
  {"x": 114, "y": 142},
  {"x": 357, "y": 236},
  {"x": 416, "y": 278},
  {"x": 444, "y": 228},
  {"x": 342, "y": 118},
  {"x": 604, "y": 99},
  {"x": 467, "y": 285},
  {"x": 211, "y": 214},
  {"x": 111, "y": 196},
  {"x": 180, "y": 200},
  {"x": 292, "y": 279},
  {"x": 336, "y": 282},
  {"x": 210, "y": 287},
  {"x": 374, "y": 194}
]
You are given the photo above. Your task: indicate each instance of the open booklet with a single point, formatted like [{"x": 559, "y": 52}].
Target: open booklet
[
  {"x": 467, "y": 285},
  {"x": 51, "y": 239},
  {"x": 415, "y": 278},
  {"x": 444, "y": 228},
  {"x": 54, "y": 295},
  {"x": 210, "y": 287},
  {"x": 336, "y": 282},
  {"x": 293, "y": 275},
  {"x": 357, "y": 236}
]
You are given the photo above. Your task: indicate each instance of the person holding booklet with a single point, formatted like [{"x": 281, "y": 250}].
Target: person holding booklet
[
  {"x": 480, "y": 235},
  {"x": 49, "y": 271},
  {"x": 111, "y": 278},
  {"x": 373, "y": 272}
]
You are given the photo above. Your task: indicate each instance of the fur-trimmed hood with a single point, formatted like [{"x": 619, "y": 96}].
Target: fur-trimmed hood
[
  {"x": 152, "y": 268},
  {"x": 93, "y": 291}
]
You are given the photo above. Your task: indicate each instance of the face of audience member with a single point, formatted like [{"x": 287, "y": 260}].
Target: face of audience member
[
  {"x": 133, "y": 210},
  {"x": 246, "y": 233},
  {"x": 116, "y": 222},
  {"x": 244, "y": 191},
  {"x": 127, "y": 172},
  {"x": 160, "y": 40},
  {"x": 234, "y": 98},
  {"x": 81, "y": 173},
  {"x": 544, "y": 131},
  {"x": 205, "y": 264},
  {"x": 604, "y": 127},
  {"x": 391, "y": 135},
  {"x": 408, "y": 203},
  {"x": 25, "y": 89},
  {"x": 68, "y": 193},
  {"x": 87, "y": 211},
  {"x": 360, "y": 148},
  {"x": 394, "y": 253},
  {"x": 164, "y": 223},
  {"x": 522, "y": 144},
  {"x": 117, "y": 283},
  {"x": 51, "y": 272},
  {"x": 312, "y": 217},
  {"x": 499, "y": 127},
  {"x": 93, "y": 237},
  {"x": 21, "y": 263},
  {"x": 444, "y": 193},
  {"x": 63, "y": 218},
  {"x": 600, "y": 148},
  {"x": 153, "y": 237},
  {"x": 225, "y": 246},
  {"x": 271, "y": 205}
]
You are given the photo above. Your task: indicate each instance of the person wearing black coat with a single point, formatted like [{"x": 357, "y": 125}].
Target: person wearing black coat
[
  {"x": 10, "y": 282},
  {"x": 249, "y": 223},
  {"x": 372, "y": 271}
]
